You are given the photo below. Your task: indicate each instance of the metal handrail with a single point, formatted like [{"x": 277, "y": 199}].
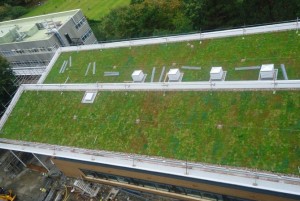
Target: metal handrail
[{"x": 248, "y": 173}]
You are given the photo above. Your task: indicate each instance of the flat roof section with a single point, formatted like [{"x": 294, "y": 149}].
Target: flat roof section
[
  {"x": 32, "y": 28},
  {"x": 247, "y": 129}
]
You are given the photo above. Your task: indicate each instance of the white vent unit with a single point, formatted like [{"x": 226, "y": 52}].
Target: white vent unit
[
  {"x": 217, "y": 74},
  {"x": 174, "y": 75},
  {"x": 267, "y": 71},
  {"x": 138, "y": 76}
]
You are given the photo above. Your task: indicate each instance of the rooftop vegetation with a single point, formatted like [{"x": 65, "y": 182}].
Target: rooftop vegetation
[
  {"x": 247, "y": 129},
  {"x": 252, "y": 50}
]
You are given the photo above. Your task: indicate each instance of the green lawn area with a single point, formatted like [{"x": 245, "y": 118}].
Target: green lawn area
[
  {"x": 92, "y": 9},
  {"x": 248, "y": 129},
  {"x": 254, "y": 50}
]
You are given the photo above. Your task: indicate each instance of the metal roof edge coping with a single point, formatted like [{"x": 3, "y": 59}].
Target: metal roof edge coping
[
  {"x": 228, "y": 175},
  {"x": 49, "y": 67},
  {"x": 251, "y": 85}
]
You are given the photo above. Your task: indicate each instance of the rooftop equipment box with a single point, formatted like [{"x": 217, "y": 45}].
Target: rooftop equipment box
[
  {"x": 137, "y": 76},
  {"x": 174, "y": 74},
  {"x": 267, "y": 71},
  {"x": 216, "y": 73}
]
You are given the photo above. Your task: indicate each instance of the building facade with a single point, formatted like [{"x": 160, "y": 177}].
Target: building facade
[{"x": 30, "y": 43}]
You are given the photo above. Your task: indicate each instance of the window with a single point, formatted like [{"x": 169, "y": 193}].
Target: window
[
  {"x": 30, "y": 63},
  {"x": 86, "y": 35},
  {"x": 81, "y": 22},
  {"x": 7, "y": 53}
]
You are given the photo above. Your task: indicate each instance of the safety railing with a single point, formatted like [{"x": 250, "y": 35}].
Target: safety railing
[
  {"x": 138, "y": 159},
  {"x": 187, "y": 37}
]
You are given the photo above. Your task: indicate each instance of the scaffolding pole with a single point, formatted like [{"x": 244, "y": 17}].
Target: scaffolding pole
[
  {"x": 41, "y": 162},
  {"x": 18, "y": 158}
]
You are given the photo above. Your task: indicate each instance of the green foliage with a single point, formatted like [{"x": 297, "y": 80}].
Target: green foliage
[
  {"x": 221, "y": 14},
  {"x": 7, "y": 87},
  {"x": 257, "y": 11},
  {"x": 193, "y": 9},
  {"x": 136, "y": 1},
  {"x": 18, "y": 11},
  {"x": 17, "y": 2},
  {"x": 8, "y": 12},
  {"x": 145, "y": 18}
]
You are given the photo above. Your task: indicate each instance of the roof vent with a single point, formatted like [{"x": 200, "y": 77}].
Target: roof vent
[
  {"x": 174, "y": 75},
  {"x": 138, "y": 76},
  {"x": 217, "y": 74},
  {"x": 267, "y": 72}
]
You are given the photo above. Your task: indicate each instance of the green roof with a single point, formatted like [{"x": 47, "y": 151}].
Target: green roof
[
  {"x": 275, "y": 48},
  {"x": 248, "y": 129},
  {"x": 255, "y": 129}
]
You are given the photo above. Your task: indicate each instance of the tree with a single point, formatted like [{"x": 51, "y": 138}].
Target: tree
[
  {"x": 7, "y": 86},
  {"x": 221, "y": 14},
  {"x": 268, "y": 11},
  {"x": 145, "y": 18},
  {"x": 136, "y": 1},
  {"x": 193, "y": 9}
]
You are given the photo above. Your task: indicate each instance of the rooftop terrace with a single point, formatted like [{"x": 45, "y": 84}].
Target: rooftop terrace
[{"x": 32, "y": 28}]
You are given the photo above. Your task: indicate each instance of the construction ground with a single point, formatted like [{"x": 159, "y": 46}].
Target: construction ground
[{"x": 34, "y": 182}]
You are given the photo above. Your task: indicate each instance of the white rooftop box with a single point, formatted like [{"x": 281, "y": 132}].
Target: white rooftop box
[
  {"x": 138, "y": 76},
  {"x": 267, "y": 71},
  {"x": 174, "y": 74},
  {"x": 216, "y": 73}
]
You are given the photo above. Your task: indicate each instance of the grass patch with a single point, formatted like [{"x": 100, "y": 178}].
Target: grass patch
[
  {"x": 249, "y": 129},
  {"x": 254, "y": 50},
  {"x": 92, "y": 9}
]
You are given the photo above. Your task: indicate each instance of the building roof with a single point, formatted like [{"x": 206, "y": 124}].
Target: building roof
[{"x": 32, "y": 28}]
